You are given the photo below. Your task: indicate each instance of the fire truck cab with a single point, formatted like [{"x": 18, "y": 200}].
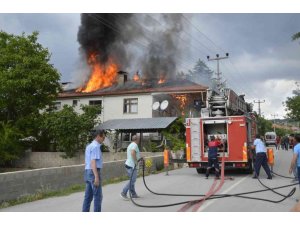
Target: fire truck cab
[{"x": 236, "y": 132}]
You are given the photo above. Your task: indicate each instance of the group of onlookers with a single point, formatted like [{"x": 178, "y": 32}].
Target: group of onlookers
[{"x": 285, "y": 142}]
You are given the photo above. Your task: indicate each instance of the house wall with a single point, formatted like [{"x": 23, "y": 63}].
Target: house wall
[
  {"x": 113, "y": 106},
  {"x": 81, "y": 101}
]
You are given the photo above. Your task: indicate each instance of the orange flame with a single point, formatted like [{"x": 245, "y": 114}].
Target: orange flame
[
  {"x": 161, "y": 81},
  {"x": 101, "y": 76},
  {"x": 182, "y": 102},
  {"x": 136, "y": 77}
]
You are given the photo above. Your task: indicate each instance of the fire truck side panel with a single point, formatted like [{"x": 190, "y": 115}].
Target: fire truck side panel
[
  {"x": 237, "y": 137},
  {"x": 188, "y": 140},
  {"x": 195, "y": 139}
]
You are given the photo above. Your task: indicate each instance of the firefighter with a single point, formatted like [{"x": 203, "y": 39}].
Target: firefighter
[
  {"x": 261, "y": 157},
  {"x": 213, "y": 146}
]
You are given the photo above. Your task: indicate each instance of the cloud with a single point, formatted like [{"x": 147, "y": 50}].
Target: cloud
[
  {"x": 57, "y": 32},
  {"x": 274, "y": 92},
  {"x": 263, "y": 63}
]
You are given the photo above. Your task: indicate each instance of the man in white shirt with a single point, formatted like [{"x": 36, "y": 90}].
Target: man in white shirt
[{"x": 133, "y": 155}]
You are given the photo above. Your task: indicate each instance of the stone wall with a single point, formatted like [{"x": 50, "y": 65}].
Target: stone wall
[
  {"x": 35, "y": 160},
  {"x": 14, "y": 185}
]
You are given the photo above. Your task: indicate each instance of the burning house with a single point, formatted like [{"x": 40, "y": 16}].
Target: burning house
[
  {"x": 128, "y": 99},
  {"x": 155, "y": 92},
  {"x": 106, "y": 47}
]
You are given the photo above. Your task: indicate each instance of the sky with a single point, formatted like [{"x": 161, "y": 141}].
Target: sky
[{"x": 263, "y": 61}]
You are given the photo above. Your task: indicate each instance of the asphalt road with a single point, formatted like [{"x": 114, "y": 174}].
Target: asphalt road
[{"x": 185, "y": 181}]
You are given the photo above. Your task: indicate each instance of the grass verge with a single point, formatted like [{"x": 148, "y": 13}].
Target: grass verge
[{"x": 43, "y": 194}]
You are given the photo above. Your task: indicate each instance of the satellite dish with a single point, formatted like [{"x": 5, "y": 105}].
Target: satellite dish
[
  {"x": 155, "y": 106},
  {"x": 164, "y": 105}
]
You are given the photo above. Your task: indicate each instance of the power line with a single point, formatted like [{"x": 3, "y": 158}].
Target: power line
[
  {"x": 230, "y": 78},
  {"x": 184, "y": 41},
  {"x": 196, "y": 28},
  {"x": 218, "y": 47},
  {"x": 104, "y": 22}
]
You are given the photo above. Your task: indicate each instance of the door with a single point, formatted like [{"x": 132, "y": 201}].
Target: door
[{"x": 237, "y": 138}]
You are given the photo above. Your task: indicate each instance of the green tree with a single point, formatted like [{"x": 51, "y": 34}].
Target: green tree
[
  {"x": 293, "y": 107},
  {"x": 28, "y": 81},
  {"x": 10, "y": 146},
  {"x": 296, "y": 36},
  {"x": 176, "y": 134},
  {"x": 263, "y": 125},
  {"x": 282, "y": 132},
  {"x": 68, "y": 130},
  {"x": 201, "y": 73}
]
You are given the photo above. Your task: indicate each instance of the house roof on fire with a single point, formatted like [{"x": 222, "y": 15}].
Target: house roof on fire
[
  {"x": 141, "y": 124},
  {"x": 133, "y": 87}
]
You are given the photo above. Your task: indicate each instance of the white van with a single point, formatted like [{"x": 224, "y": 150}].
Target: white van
[{"x": 270, "y": 138}]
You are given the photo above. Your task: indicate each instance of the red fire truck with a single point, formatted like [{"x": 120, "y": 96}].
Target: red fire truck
[{"x": 227, "y": 117}]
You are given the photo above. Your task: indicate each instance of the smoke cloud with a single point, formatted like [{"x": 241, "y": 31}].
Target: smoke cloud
[{"x": 149, "y": 41}]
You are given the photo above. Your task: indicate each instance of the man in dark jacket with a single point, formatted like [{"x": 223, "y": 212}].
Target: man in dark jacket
[
  {"x": 213, "y": 146},
  {"x": 261, "y": 157}
]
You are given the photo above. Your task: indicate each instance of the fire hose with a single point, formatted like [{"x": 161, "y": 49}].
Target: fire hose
[
  {"x": 210, "y": 193},
  {"x": 282, "y": 175},
  {"x": 240, "y": 195}
]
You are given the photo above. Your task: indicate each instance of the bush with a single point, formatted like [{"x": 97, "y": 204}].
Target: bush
[
  {"x": 175, "y": 135},
  {"x": 68, "y": 130},
  {"x": 10, "y": 146}
]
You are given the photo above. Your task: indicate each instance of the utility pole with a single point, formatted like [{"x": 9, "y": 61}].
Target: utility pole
[
  {"x": 218, "y": 73},
  {"x": 259, "y": 102},
  {"x": 274, "y": 115}
]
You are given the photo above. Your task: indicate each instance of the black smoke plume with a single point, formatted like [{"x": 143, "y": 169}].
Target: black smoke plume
[
  {"x": 149, "y": 41},
  {"x": 103, "y": 35}
]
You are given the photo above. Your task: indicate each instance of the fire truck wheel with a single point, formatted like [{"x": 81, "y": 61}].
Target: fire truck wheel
[
  {"x": 200, "y": 170},
  {"x": 250, "y": 168}
]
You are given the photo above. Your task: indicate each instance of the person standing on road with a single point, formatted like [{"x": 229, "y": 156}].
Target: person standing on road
[
  {"x": 286, "y": 143},
  {"x": 291, "y": 141},
  {"x": 295, "y": 163},
  {"x": 133, "y": 155},
  {"x": 261, "y": 157},
  {"x": 278, "y": 142},
  {"x": 213, "y": 146},
  {"x": 92, "y": 173}
]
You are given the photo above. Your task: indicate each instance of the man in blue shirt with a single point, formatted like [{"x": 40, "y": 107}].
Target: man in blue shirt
[
  {"x": 92, "y": 173},
  {"x": 296, "y": 157},
  {"x": 261, "y": 157}
]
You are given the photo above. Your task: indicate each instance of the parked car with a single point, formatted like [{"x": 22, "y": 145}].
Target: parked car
[{"x": 270, "y": 138}]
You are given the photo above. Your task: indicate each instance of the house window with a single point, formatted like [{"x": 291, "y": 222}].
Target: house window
[
  {"x": 75, "y": 103},
  {"x": 57, "y": 106},
  {"x": 96, "y": 103},
  {"x": 130, "y": 105}
]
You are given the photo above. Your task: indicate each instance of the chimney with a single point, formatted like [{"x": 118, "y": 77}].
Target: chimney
[
  {"x": 122, "y": 77},
  {"x": 65, "y": 85}
]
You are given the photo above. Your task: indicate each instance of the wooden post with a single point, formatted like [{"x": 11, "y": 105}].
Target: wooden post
[
  {"x": 121, "y": 140},
  {"x": 141, "y": 140}
]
